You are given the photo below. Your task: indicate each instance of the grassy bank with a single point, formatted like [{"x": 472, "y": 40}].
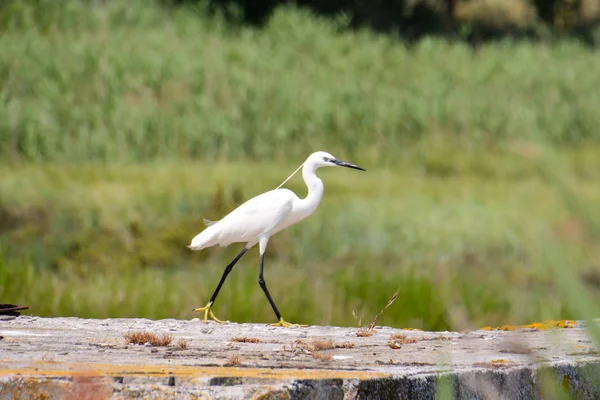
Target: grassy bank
[
  {"x": 132, "y": 81},
  {"x": 122, "y": 124},
  {"x": 110, "y": 241}
]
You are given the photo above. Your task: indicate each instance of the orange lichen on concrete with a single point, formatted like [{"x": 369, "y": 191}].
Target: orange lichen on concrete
[
  {"x": 41, "y": 368},
  {"x": 544, "y": 325},
  {"x": 499, "y": 363}
]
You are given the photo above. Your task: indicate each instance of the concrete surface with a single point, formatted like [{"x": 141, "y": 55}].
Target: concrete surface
[{"x": 48, "y": 358}]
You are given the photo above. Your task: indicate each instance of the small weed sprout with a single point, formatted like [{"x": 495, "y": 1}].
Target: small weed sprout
[{"x": 403, "y": 339}]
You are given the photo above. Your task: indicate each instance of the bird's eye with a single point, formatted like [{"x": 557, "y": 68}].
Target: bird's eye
[{"x": 326, "y": 159}]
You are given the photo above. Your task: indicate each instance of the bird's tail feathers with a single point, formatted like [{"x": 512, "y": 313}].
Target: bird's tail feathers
[
  {"x": 208, "y": 222},
  {"x": 202, "y": 240}
]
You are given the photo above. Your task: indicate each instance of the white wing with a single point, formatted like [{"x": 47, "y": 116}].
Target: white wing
[{"x": 255, "y": 217}]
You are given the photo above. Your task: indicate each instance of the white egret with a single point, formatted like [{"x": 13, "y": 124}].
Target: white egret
[{"x": 261, "y": 217}]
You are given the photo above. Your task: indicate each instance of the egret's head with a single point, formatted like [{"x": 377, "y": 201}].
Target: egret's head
[{"x": 324, "y": 159}]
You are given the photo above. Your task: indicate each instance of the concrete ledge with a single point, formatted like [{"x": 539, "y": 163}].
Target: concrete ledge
[{"x": 71, "y": 357}]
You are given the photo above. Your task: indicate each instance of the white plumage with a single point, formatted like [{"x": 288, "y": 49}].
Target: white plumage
[{"x": 259, "y": 218}]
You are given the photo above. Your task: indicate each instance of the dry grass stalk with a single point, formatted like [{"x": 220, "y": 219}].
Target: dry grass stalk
[
  {"x": 245, "y": 340},
  {"x": 357, "y": 317},
  {"x": 346, "y": 345},
  {"x": 233, "y": 361},
  {"x": 298, "y": 346},
  {"x": 440, "y": 337},
  {"x": 142, "y": 337},
  {"x": 389, "y": 303},
  {"x": 182, "y": 344},
  {"x": 403, "y": 339},
  {"x": 320, "y": 344},
  {"x": 368, "y": 331},
  {"x": 322, "y": 356},
  {"x": 364, "y": 332},
  {"x": 397, "y": 340}
]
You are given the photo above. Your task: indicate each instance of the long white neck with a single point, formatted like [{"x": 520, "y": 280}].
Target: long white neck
[{"x": 310, "y": 203}]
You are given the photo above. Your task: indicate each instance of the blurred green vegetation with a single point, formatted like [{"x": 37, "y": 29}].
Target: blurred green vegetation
[
  {"x": 123, "y": 124},
  {"x": 133, "y": 81},
  {"x": 110, "y": 241}
]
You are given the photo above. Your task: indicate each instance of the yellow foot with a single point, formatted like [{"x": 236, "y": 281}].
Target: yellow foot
[
  {"x": 286, "y": 324},
  {"x": 208, "y": 312}
]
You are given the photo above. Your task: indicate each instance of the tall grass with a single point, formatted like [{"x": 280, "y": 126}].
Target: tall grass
[
  {"x": 131, "y": 81},
  {"x": 104, "y": 241}
]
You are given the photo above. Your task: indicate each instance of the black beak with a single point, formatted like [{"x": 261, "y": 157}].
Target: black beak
[{"x": 347, "y": 165}]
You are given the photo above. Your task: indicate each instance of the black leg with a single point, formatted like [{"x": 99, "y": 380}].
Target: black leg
[
  {"x": 263, "y": 285},
  {"x": 225, "y": 273}
]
